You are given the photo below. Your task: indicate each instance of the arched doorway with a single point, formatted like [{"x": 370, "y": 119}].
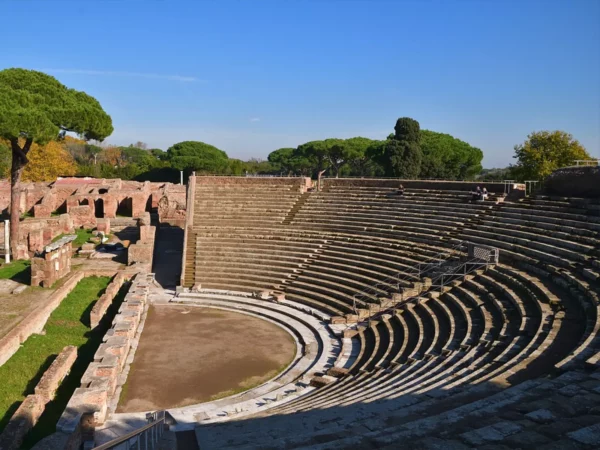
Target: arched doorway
[{"x": 99, "y": 208}]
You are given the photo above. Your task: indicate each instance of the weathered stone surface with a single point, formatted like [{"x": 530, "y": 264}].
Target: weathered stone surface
[
  {"x": 21, "y": 422},
  {"x": 541, "y": 416},
  {"x": 492, "y": 433},
  {"x": 58, "y": 370},
  {"x": 99, "y": 382},
  {"x": 574, "y": 182},
  {"x": 53, "y": 264},
  {"x": 35, "y": 321}
]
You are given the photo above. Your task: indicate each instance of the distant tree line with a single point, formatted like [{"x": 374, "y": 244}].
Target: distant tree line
[{"x": 407, "y": 153}]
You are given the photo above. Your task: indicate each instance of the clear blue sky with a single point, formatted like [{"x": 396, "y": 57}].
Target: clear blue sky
[{"x": 254, "y": 76}]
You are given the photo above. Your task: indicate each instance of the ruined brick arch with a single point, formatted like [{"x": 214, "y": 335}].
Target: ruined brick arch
[
  {"x": 62, "y": 208},
  {"x": 99, "y": 208},
  {"x": 125, "y": 207}
]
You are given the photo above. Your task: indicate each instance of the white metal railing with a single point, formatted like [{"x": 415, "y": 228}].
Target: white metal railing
[
  {"x": 531, "y": 186},
  {"x": 477, "y": 257},
  {"x": 144, "y": 438},
  {"x": 413, "y": 273},
  {"x": 508, "y": 185},
  {"x": 587, "y": 162}
]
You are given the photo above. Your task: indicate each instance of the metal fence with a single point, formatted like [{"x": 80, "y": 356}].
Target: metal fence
[
  {"x": 587, "y": 162},
  {"x": 412, "y": 274},
  {"x": 144, "y": 438}
]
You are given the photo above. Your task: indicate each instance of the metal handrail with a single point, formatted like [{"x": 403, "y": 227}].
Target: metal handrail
[
  {"x": 587, "y": 162},
  {"x": 414, "y": 273},
  {"x": 441, "y": 280},
  {"x": 144, "y": 438}
]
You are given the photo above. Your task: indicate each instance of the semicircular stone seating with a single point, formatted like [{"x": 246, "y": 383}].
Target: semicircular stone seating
[{"x": 495, "y": 355}]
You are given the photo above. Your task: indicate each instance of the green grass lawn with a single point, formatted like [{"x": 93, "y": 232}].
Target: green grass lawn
[
  {"x": 69, "y": 324},
  {"x": 19, "y": 271}
]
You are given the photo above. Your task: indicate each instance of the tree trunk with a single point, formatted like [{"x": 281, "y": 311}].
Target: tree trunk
[{"x": 19, "y": 159}]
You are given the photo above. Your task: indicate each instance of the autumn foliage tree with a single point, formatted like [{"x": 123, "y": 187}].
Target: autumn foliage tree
[
  {"x": 47, "y": 162},
  {"x": 35, "y": 108},
  {"x": 545, "y": 151}
]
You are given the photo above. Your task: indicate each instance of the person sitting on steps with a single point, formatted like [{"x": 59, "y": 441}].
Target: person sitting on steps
[{"x": 400, "y": 190}]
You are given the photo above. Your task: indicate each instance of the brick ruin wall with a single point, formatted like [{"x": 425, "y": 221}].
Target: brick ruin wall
[
  {"x": 52, "y": 264},
  {"x": 43, "y": 199},
  {"x": 72, "y": 203}
]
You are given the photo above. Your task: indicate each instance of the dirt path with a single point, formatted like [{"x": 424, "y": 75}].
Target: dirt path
[{"x": 190, "y": 355}]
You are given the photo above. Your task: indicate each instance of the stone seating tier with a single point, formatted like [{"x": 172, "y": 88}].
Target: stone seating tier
[{"x": 482, "y": 342}]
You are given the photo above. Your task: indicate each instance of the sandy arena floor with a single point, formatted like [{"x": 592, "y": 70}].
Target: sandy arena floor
[{"x": 189, "y": 355}]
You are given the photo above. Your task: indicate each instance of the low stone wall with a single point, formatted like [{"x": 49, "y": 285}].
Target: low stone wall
[
  {"x": 25, "y": 418},
  {"x": 107, "y": 298},
  {"x": 99, "y": 382},
  {"x": 467, "y": 186},
  {"x": 301, "y": 183},
  {"x": 34, "y": 323}
]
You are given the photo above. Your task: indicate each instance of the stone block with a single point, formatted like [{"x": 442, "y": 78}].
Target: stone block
[
  {"x": 140, "y": 253},
  {"x": 319, "y": 382},
  {"x": 58, "y": 370},
  {"x": 145, "y": 220},
  {"x": 42, "y": 211},
  {"x": 337, "y": 372},
  {"x": 147, "y": 233},
  {"x": 23, "y": 420},
  {"x": 36, "y": 240}
]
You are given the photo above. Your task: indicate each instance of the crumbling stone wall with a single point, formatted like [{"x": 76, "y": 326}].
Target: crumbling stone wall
[
  {"x": 53, "y": 264},
  {"x": 171, "y": 205},
  {"x": 142, "y": 251}
]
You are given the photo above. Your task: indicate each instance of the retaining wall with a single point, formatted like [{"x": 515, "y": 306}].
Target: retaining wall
[
  {"x": 301, "y": 183},
  {"x": 99, "y": 382},
  {"x": 36, "y": 320},
  {"x": 466, "y": 186},
  {"x": 34, "y": 323},
  {"x": 104, "y": 302},
  {"x": 30, "y": 410}
]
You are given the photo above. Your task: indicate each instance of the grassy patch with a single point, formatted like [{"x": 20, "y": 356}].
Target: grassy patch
[
  {"x": 19, "y": 271},
  {"x": 82, "y": 237},
  {"x": 69, "y": 324}
]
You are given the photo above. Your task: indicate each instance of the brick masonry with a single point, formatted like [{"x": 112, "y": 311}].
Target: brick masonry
[
  {"x": 99, "y": 383},
  {"x": 28, "y": 413}
]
